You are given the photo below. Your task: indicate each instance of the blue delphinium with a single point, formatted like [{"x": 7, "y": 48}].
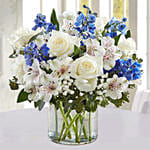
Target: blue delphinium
[
  {"x": 32, "y": 52},
  {"x": 40, "y": 21},
  {"x": 115, "y": 27},
  {"x": 124, "y": 19},
  {"x": 49, "y": 27},
  {"x": 127, "y": 68},
  {"x": 85, "y": 25},
  {"x": 29, "y": 52}
]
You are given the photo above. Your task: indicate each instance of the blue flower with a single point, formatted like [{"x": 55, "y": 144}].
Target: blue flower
[
  {"x": 124, "y": 19},
  {"x": 126, "y": 68},
  {"x": 115, "y": 26},
  {"x": 121, "y": 27},
  {"x": 106, "y": 34},
  {"x": 91, "y": 18},
  {"x": 50, "y": 27},
  {"x": 28, "y": 59},
  {"x": 112, "y": 21},
  {"x": 86, "y": 25},
  {"x": 31, "y": 52},
  {"x": 113, "y": 34},
  {"x": 44, "y": 50},
  {"x": 40, "y": 21}
]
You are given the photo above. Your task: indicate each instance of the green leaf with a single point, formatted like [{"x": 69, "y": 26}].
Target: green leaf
[
  {"x": 134, "y": 57},
  {"x": 13, "y": 85},
  {"x": 140, "y": 60},
  {"x": 119, "y": 102},
  {"x": 117, "y": 39},
  {"x": 76, "y": 50},
  {"x": 104, "y": 103},
  {"x": 107, "y": 26},
  {"x": 128, "y": 34},
  {"x": 49, "y": 71},
  {"x": 34, "y": 37},
  {"x": 103, "y": 33},
  {"x": 23, "y": 96},
  {"x": 13, "y": 55},
  {"x": 54, "y": 20},
  {"x": 39, "y": 104},
  {"x": 131, "y": 86}
]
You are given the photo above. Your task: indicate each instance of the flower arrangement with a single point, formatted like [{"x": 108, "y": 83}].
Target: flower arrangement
[{"x": 76, "y": 64}]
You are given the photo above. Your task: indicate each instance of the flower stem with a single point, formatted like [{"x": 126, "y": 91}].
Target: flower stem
[
  {"x": 90, "y": 126},
  {"x": 56, "y": 121},
  {"x": 65, "y": 120},
  {"x": 63, "y": 126},
  {"x": 76, "y": 122},
  {"x": 82, "y": 127},
  {"x": 74, "y": 128},
  {"x": 68, "y": 128}
]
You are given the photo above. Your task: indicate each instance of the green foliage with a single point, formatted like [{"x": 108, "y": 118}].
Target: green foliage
[
  {"x": 131, "y": 86},
  {"x": 23, "y": 96},
  {"x": 104, "y": 103},
  {"x": 39, "y": 104},
  {"x": 13, "y": 55},
  {"x": 117, "y": 39},
  {"x": 135, "y": 58},
  {"x": 91, "y": 102},
  {"x": 128, "y": 34},
  {"x": 78, "y": 52},
  {"x": 121, "y": 101},
  {"x": 13, "y": 84},
  {"x": 54, "y": 20},
  {"x": 49, "y": 71}
]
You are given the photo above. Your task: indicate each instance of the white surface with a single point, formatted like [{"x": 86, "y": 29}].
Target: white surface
[
  {"x": 141, "y": 101},
  {"x": 118, "y": 130}
]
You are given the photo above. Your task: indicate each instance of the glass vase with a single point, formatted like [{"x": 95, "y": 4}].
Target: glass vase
[{"x": 72, "y": 128}]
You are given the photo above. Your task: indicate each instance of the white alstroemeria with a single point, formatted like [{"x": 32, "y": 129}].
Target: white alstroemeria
[
  {"x": 49, "y": 87},
  {"x": 85, "y": 70},
  {"x": 18, "y": 68},
  {"x": 100, "y": 23},
  {"x": 61, "y": 67},
  {"x": 111, "y": 53},
  {"x": 127, "y": 46},
  {"x": 20, "y": 39},
  {"x": 34, "y": 94},
  {"x": 33, "y": 75},
  {"x": 94, "y": 48},
  {"x": 62, "y": 44},
  {"x": 115, "y": 86}
]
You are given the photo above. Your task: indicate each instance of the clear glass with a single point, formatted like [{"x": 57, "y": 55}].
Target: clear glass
[{"x": 72, "y": 128}]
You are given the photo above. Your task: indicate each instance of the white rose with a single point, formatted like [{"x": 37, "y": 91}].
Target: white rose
[
  {"x": 85, "y": 70},
  {"x": 61, "y": 44},
  {"x": 127, "y": 46}
]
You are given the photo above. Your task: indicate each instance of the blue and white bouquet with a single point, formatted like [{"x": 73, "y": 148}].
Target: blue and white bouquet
[{"x": 76, "y": 63}]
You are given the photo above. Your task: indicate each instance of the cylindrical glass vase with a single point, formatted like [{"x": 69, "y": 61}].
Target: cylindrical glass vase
[{"x": 72, "y": 128}]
